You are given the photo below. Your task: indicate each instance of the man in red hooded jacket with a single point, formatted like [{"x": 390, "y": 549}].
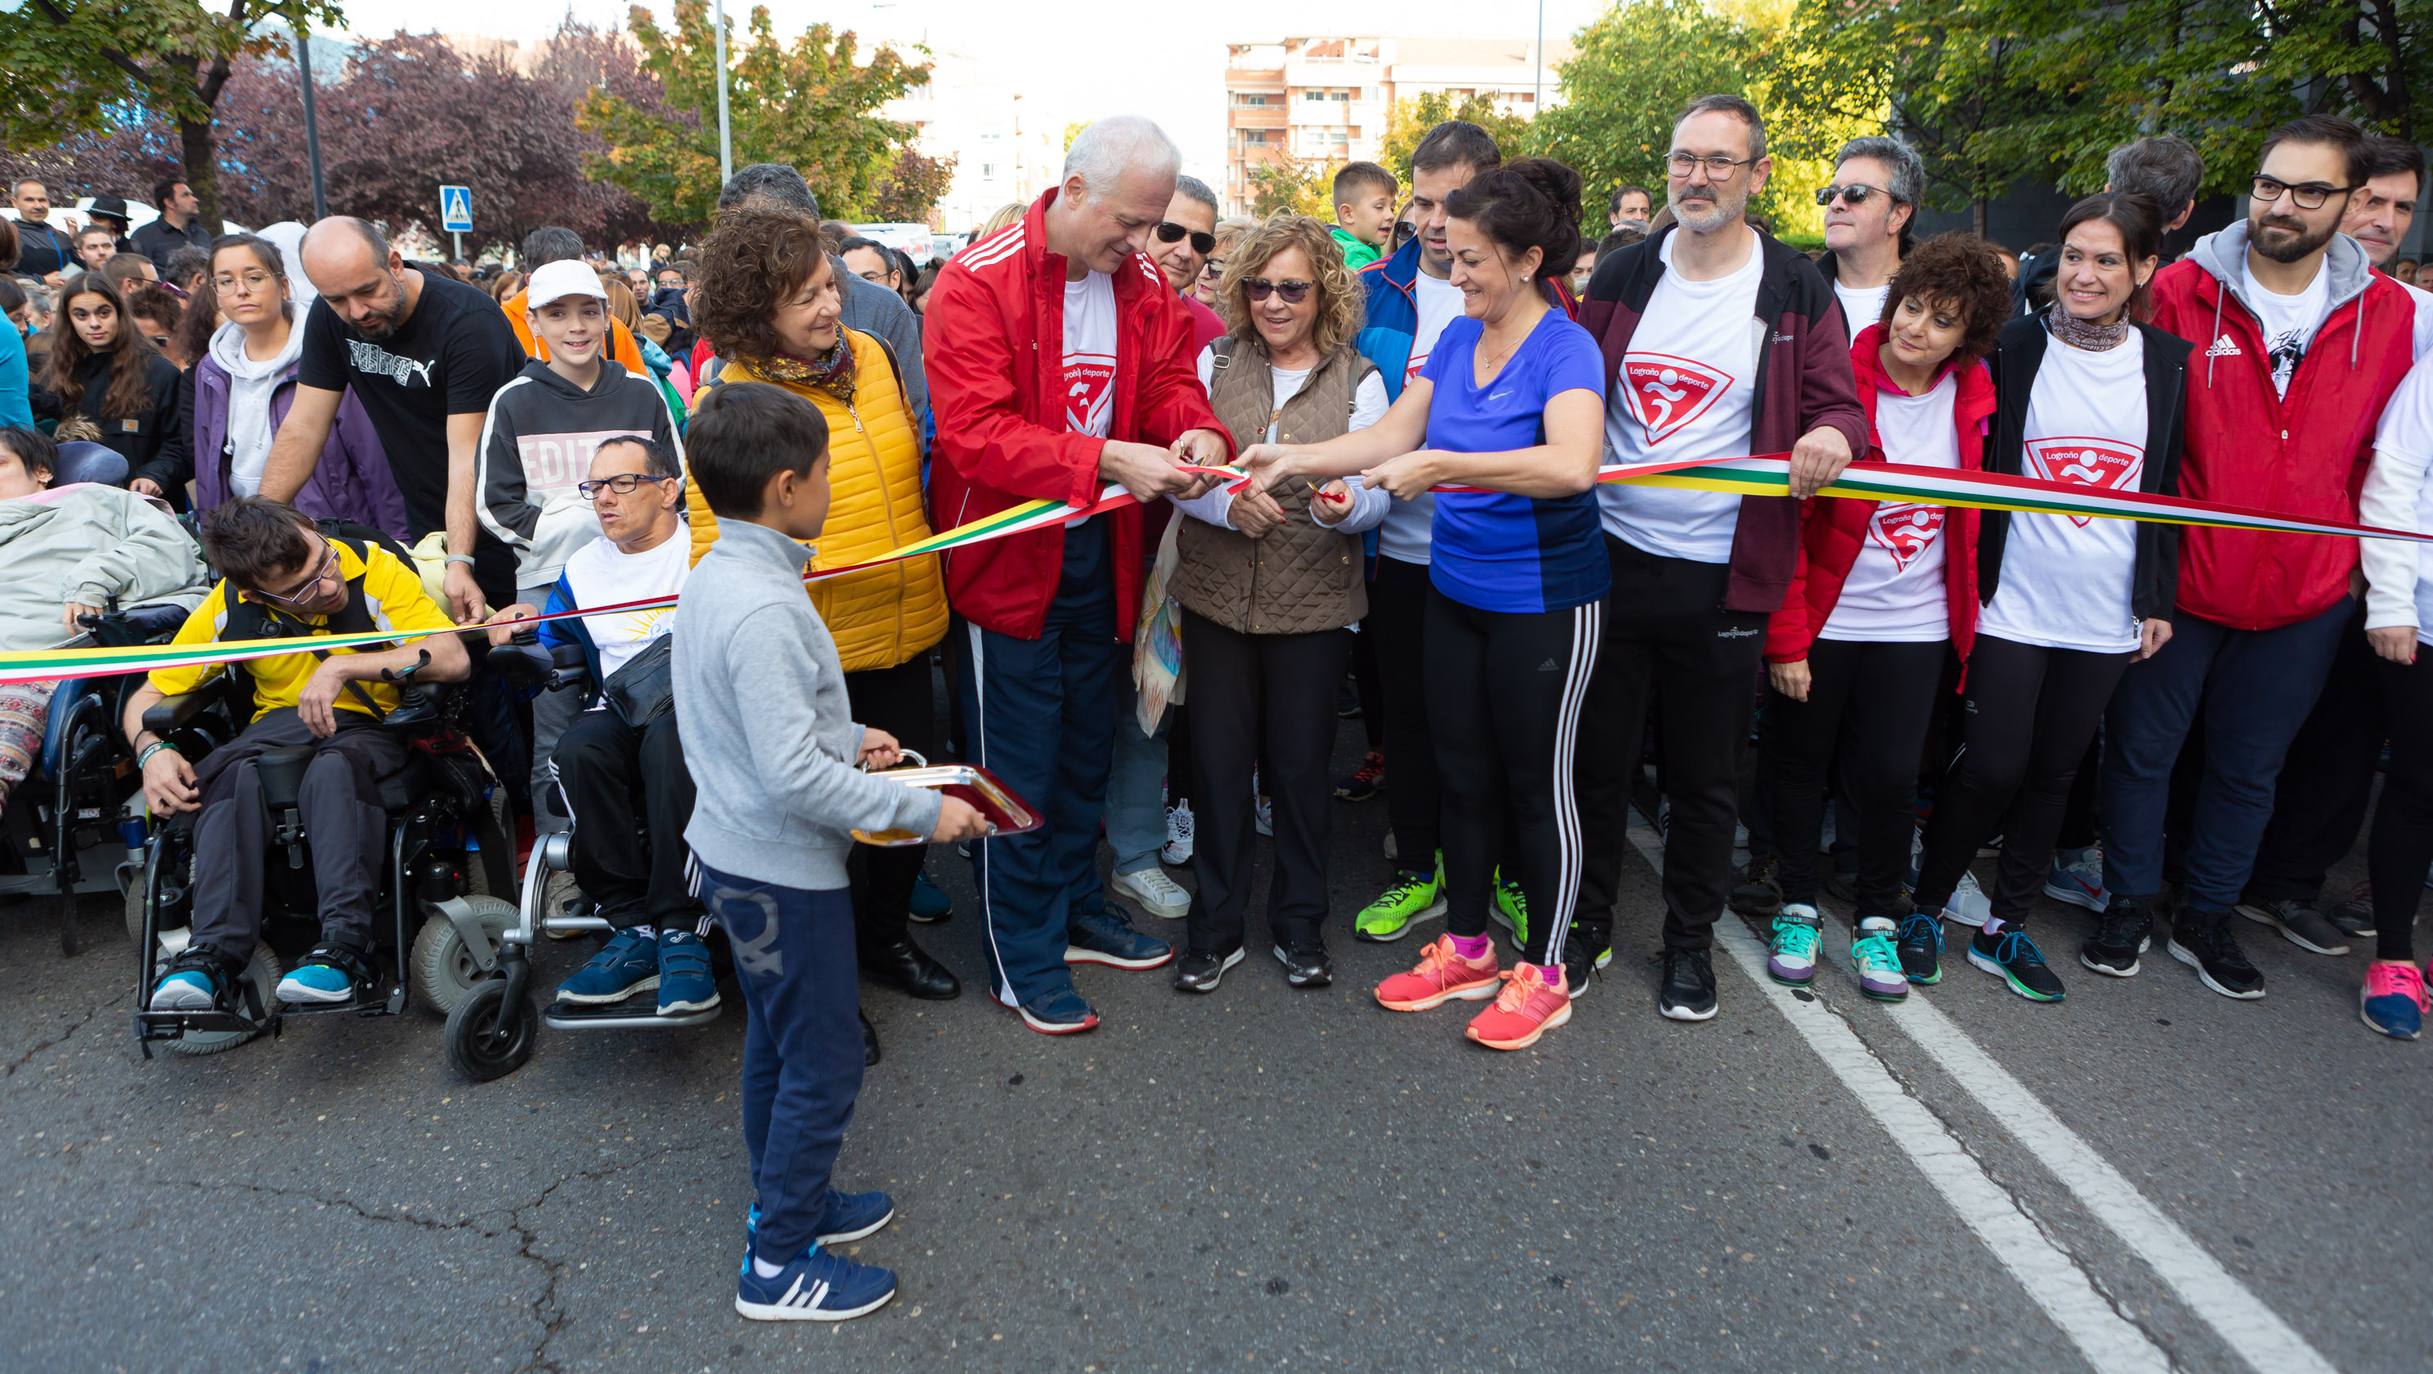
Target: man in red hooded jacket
[
  {"x": 2298, "y": 346},
  {"x": 1060, "y": 362}
]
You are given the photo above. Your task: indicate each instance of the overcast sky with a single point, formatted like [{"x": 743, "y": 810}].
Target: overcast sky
[{"x": 1163, "y": 60}]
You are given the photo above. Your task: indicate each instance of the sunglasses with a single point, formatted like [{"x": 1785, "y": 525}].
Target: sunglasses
[
  {"x": 1293, "y": 292},
  {"x": 1170, "y": 232},
  {"x": 623, "y": 484},
  {"x": 304, "y": 589},
  {"x": 1855, "y": 194}
]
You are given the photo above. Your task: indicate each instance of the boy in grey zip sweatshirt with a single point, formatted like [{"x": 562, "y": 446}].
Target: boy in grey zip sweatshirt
[{"x": 760, "y": 704}]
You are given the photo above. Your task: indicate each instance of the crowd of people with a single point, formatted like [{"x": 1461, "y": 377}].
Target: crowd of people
[{"x": 1371, "y": 465}]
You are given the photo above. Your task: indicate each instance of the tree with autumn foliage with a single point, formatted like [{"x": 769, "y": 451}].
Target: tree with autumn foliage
[
  {"x": 811, "y": 104},
  {"x": 79, "y": 68}
]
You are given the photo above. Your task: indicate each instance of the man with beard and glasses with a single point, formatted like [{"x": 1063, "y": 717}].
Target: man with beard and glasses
[
  {"x": 424, "y": 355},
  {"x": 1719, "y": 341},
  {"x": 2299, "y": 344}
]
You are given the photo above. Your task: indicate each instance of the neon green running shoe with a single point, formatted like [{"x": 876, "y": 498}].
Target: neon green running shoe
[
  {"x": 1511, "y": 909},
  {"x": 1414, "y": 897}
]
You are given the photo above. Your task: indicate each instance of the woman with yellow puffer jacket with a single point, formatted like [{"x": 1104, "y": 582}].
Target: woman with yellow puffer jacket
[{"x": 769, "y": 297}]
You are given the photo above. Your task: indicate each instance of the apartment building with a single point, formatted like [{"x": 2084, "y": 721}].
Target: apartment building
[{"x": 1326, "y": 99}]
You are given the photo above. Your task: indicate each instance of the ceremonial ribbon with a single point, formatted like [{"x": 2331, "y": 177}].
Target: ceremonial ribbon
[{"x": 1765, "y": 475}]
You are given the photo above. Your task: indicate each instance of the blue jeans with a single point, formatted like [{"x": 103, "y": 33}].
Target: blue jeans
[
  {"x": 802, "y": 1044},
  {"x": 1040, "y": 714},
  {"x": 1136, "y": 789},
  {"x": 2254, "y": 688}
]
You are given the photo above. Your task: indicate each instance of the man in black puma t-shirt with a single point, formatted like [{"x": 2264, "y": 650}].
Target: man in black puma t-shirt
[{"x": 423, "y": 353}]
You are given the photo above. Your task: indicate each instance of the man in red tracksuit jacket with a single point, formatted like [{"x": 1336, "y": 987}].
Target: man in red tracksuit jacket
[
  {"x": 1059, "y": 361},
  {"x": 2298, "y": 346}
]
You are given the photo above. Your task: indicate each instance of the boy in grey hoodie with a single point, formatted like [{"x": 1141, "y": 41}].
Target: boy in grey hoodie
[{"x": 761, "y": 706}]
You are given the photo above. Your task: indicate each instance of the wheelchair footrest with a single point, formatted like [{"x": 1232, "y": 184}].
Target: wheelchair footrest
[
  {"x": 620, "y": 1016},
  {"x": 177, "y": 1025}
]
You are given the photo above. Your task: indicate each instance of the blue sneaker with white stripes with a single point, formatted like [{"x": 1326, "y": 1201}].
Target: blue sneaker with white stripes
[
  {"x": 849, "y": 1217},
  {"x": 818, "y": 1287}
]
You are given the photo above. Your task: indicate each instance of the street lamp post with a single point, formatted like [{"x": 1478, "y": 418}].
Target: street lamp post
[
  {"x": 1537, "y": 71},
  {"x": 726, "y": 151},
  {"x": 312, "y": 125}
]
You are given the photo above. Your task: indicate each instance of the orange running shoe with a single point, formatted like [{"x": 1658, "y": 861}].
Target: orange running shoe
[
  {"x": 1442, "y": 976},
  {"x": 1533, "y": 1002}
]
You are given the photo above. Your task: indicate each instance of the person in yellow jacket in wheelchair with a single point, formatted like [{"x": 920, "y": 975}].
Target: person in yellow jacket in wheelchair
[{"x": 769, "y": 303}]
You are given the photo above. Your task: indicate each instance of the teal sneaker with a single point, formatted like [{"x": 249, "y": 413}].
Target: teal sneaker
[
  {"x": 1413, "y": 897},
  {"x": 1877, "y": 957},
  {"x": 627, "y": 964},
  {"x": 1797, "y": 935},
  {"x": 1511, "y": 909},
  {"x": 327, "y": 975}
]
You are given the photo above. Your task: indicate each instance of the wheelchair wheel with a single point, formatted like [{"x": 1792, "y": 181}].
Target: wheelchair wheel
[
  {"x": 134, "y": 897},
  {"x": 444, "y": 971},
  {"x": 487, "y": 1036},
  {"x": 263, "y": 972}
]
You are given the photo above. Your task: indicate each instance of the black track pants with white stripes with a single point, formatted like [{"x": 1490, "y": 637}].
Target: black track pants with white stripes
[{"x": 1504, "y": 690}]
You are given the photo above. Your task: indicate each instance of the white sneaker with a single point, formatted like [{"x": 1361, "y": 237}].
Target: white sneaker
[
  {"x": 2080, "y": 882},
  {"x": 1969, "y": 906},
  {"x": 1177, "y": 849},
  {"x": 1154, "y": 893}
]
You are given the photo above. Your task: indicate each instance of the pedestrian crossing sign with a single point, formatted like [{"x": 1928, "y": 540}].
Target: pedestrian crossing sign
[{"x": 456, "y": 209}]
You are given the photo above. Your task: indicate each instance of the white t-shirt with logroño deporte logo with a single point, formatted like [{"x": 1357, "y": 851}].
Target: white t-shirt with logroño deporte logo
[
  {"x": 1408, "y": 534},
  {"x": 1089, "y": 354},
  {"x": 1894, "y": 593},
  {"x": 1687, "y": 390},
  {"x": 2066, "y": 579}
]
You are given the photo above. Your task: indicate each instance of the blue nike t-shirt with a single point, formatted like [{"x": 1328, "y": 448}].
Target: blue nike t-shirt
[{"x": 1498, "y": 552}]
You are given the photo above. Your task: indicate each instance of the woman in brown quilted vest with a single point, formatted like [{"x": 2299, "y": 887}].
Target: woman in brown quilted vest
[{"x": 1269, "y": 584}]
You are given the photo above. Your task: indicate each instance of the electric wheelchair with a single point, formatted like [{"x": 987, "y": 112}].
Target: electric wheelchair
[{"x": 440, "y": 907}]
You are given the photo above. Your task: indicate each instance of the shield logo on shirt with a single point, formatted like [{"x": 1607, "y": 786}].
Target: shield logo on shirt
[
  {"x": 2082, "y": 460},
  {"x": 1089, "y": 392},
  {"x": 1905, "y": 530},
  {"x": 1667, "y": 393}
]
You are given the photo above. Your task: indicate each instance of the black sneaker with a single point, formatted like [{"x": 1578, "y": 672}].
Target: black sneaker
[
  {"x": 2012, "y": 957},
  {"x": 2202, "y": 940},
  {"x": 1306, "y": 966},
  {"x": 1688, "y": 989},
  {"x": 2124, "y": 931},
  {"x": 1921, "y": 948},
  {"x": 1758, "y": 893},
  {"x": 2300, "y": 924},
  {"x": 1202, "y": 972},
  {"x": 2354, "y": 914}
]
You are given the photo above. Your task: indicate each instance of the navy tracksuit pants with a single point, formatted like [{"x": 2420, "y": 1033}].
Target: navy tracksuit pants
[
  {"x": 1040, "y": 714},
  {"x": 802, "y": 1044}
]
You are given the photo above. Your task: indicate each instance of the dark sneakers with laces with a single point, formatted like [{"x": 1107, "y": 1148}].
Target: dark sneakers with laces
[
  {"x": 2300, "y": 924},
  {"x": 2012, "y": 957},
  {"x": 1195, "y": 972},
  {"x": 1305, "y": 966},
  {"x": 1759, "y": 892},
  {"x": 2124, "y": 931},
  {"x": 1921, "y": 948},
  {"x": 1107, "y": 937},
  {"x": 2202, "y": 940},
  {"x": 1688, "y": 990}
]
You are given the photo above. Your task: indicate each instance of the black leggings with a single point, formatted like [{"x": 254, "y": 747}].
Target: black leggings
[
  {"x": 1514, "y": 682},
  {"x": 1398, "y": 606},
  {"x": 2027, "y": 718},
  {"x": 2400, "y": 850},
  {"x": 1871, "y": 700}
]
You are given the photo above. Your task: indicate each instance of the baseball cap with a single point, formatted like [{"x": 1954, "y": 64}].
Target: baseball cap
[{"x": 557, "y": 280}]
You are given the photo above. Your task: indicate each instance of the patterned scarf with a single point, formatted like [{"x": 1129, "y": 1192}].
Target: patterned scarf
[
  {"x": 2086, "y": 334},
  {"x": 832, "y": 372}
]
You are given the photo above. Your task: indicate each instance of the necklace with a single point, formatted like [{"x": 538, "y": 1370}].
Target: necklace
[{"x": 2085, "y": 334}]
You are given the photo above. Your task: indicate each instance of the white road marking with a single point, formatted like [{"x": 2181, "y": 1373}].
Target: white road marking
[{"x": 2045, "y": 1270}]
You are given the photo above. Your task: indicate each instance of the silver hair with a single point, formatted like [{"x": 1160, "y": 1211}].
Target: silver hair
[
  {"x": 2164, "y": 166},
  {"x": 1196, "y": 189},
  {"x": 1115, "y": 145},
  {"x": 1908, "y": 169}
]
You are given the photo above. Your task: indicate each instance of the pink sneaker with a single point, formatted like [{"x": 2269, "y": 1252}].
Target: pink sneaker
[
  {"x": 1533, "y": 1002},
  {"x": 2393, "y": 1000},
  {"x": 1442, "y": 976}
]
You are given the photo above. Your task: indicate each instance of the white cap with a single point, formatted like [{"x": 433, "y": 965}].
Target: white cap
[{"x": 557, "y": 280}]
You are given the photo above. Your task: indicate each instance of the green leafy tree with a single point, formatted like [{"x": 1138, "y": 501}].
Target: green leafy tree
[
  {"x": 1409, "y": 121},
  {"x": 1301, "y": 187},
  {"x": 79, "y": 67},
  {"x": 811, "y": 104},
  {"x": 911, "y": 188}
]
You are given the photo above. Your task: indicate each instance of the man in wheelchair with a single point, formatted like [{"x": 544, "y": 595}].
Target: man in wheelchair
[
  {"x": 282, "y": 577},
  {"x": 619, "y": 766}
]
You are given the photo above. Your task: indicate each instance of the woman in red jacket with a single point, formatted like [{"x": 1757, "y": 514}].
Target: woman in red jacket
[{"x": 1882, "y": 591}]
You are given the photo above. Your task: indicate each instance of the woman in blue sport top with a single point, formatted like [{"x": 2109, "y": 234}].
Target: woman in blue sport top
[{"x": 1511, "y": 402}]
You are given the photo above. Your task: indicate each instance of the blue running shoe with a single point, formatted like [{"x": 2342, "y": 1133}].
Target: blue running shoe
[
  {"x": 684, "y": 980},
  {"x": 627, "y": 964},
  {"x": 929, "y": 905},
  {"x": 849, "y": 1217},
  {"x": 326, "y": 975},
  {"x": 1106, "y": 937},
  {"x": 1061, "y": 1012},
  {"x": 188, "y": 989},
  {"x": 819, "y": 1287}
]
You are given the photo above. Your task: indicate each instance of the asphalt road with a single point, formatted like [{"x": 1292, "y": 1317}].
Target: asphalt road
[{"x": 2146, "y": 1176}]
